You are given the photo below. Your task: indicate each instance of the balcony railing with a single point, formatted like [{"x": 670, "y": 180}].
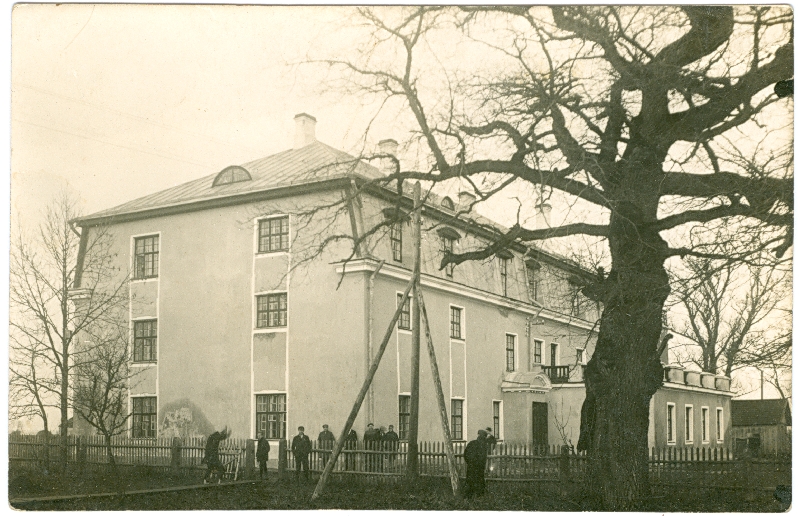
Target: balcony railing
[{"x": 557, "y": 374}]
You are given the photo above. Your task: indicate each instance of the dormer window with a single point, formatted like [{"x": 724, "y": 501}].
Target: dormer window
[
  {"x": 448, "y": 203},
  {"x": 230, "y": 175}
]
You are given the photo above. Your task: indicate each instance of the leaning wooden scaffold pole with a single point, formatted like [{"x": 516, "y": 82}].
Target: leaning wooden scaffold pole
[
  {"x": 437, "y": 383},
  {"x": 412, "y": 463},
  {"x": 337, "y": 450}
]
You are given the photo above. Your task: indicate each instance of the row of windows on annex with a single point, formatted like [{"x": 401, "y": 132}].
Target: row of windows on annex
[
  {"x": 273, "y": 236},
  {"x": 512, "y": 352},
  {"x": 688, "y": 427}
]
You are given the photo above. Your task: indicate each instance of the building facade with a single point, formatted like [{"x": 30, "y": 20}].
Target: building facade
[{"x": 249, "y": 307}]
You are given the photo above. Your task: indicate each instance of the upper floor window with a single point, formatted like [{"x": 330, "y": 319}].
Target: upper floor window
[
  {"x": 404, "y": 322},
  {"x": 455, "y": 323},
  {"x": 532, "y": 271},
  {"x": 145, "y": 257},
  {"x": 145, "y": 335},
  {"x": 230, "y": 175},
  {"x": 273, "y": 235},
  {"x": 579, "y": 356},
  {"x": 457, "y": 419},
  {"x": 396, "y": 238},
  {"x": 144, "y": 412},
  {"x": 504, "y": 275},
  {"x": 576, "y": 301},
  {"x": 537, "y": 351},
  {"x": 271, "y": 415},
  {"x": 553, "y": 354},
  {"x": 447, "y": 247},
  {"x": 511, "y": 347},
  {"x": 271, "y": 311}
]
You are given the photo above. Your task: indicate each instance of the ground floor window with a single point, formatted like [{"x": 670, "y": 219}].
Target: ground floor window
[
  {"x": 720, "y": 428},
  {"x": 670, "y": 422},
  {"x": 271, "y": 416},
  {"x": 404, "y": 412},
  {"x": 457, "y": 419},
  {"x": 497, "y": 414},
  {"x": 144, "y": 412}
]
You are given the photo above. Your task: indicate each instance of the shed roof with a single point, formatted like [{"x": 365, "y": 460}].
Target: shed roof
[{"x": 760, "y": 412}]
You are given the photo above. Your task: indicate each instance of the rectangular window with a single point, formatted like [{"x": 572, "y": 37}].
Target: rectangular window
[
  {"x": 671, "y": 423},
  {"x": 145, "y": 257},
  {"x": 447, "y": 246},
  {"x": 497, "y": 414},
  {"x": 404, "y": 322},
  {"x": 720, "y": 427},
  {"x": 576, "y": 307},
  {"x": 704, "y": 423},
  {"x": 554, "y": 354},
  {"x": 271, "y": 415},
  {"x": 511, "y": 345},
  {"x": 537, "y": 351},
  {"x": 404, "y": 413},
  {"x": 457, "y": 419},
  {"x": 144, "y": 417},
  {"x": 504, "y": 276},
  {"x": 455, "y": 322},
  {"x": 144, "y": 341},
  {"x": 396, "y": 237},
  {"x": 688, "y": 424},
  {"x": 273, "y": 235},
  {"x": 271, "y": 311},
  {"x": 578, "y": 356},
  {"x": 533, "y": 282}
]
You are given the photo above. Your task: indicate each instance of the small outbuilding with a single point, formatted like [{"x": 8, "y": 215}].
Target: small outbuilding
[{"x": 765, "y": 425}]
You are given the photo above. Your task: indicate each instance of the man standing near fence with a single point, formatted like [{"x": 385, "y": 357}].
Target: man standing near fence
[
  {"x": 211, "y": 458},
  {"x": 326, "y": 441},
  {"x": 475, "y": 457},
  {"x": 262, "y": 456},
  {"x": 372, "y": 440},
  {"x": 301, "y": 448},
  {"x": 390, "y": 441}
]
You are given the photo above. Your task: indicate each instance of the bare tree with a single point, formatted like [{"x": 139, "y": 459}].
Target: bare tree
[
  {"x": 734, "y": 316},
  {"x": 30, "y": 387},
  {"x": 638, "y": 114},
  {"x": 45, "y": 318}
]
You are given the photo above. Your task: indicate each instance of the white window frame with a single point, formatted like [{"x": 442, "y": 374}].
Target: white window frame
[
  {"x": 705, "y": 425},
  {"x": 720, "y": 426},
  {"x": 688, "y": 424},
  {"x": 533, "y": 352},
  {"x": 671, "y": 430},
  {"x": 463, "y": 323},
  {"x": 410, "y": 312},
  {"x": 501, "y": 425},
  {"x": 464, "y": 433},
  {"x": 132, "y": 262},
  {"x": 269, "y": 329},
  {"x": 257, "y": 222},
  {"x": 515, "y": 351}
]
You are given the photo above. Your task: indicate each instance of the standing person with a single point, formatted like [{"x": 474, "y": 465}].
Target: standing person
[
  {"x": 262, "y": 456},
  {"x": 372, "y": 439},
  {"x": 390, "y": 441},
  {"x": 301, "y": 447},
  {"x": 211, "y": 458},
  {"x": 326, "y": 441},
  {"x": 491, "y": 440},
  {"x": 475, "y": 457},
  {"x": 351, "y": 443}
]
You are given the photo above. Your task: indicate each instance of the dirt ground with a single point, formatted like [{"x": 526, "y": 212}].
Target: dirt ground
[{"x": 427, "y": 494}]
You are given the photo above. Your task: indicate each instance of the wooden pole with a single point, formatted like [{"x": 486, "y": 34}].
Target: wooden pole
[
  {"x": 437, "y": 382},
  {"x": 412, "y": 466},
  {"x": 361, "y": 395}
]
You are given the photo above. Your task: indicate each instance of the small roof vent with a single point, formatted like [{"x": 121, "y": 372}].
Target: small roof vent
[{"x": 233, "y": 174}]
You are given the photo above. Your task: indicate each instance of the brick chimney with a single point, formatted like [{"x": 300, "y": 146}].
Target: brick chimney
[
  {"x": 304, "y": 130},
  {"x": 389, "y": 147}
]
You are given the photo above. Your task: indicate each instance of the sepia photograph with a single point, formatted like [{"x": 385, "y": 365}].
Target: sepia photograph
[{"x": 493, "y": 258}]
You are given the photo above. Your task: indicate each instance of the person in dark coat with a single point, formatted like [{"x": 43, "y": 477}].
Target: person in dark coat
[
  {"x": 390, "y": 441},
  {"x": 351, "y": 443},
  {"x": 211, "y": 458},
  {"x": 262, "y": 456},
  {"x": 372, "y": 440},
  {"x": 475, "y": 457},
  {"x": 301, "y": 448},
  {"x": 326, "y": 441}
]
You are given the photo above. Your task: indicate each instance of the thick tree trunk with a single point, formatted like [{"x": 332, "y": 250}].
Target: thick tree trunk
[{"x": 625, "y": 370}]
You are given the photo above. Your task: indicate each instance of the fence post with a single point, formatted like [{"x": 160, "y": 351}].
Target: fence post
[
  {"x": 46, "y": 453},
  {"x": 563, "y": 471},
  {"x": 81, "y": 444},
  {"x": 283, "y": 462},
  {"x": 249, "y": 458},
  {"x": 175, "y": 457}
]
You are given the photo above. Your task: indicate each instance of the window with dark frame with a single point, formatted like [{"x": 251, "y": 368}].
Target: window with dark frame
[
  {"x": 145, "y": 257},
  {"x": 404, "y": 415},
  {"x": 396, "y": 238},
  {"x": 533, "y": 282},
  {"x": 447, "y": 246},
  {"x": 504, "y": 276},
  {"x": 404, "y": 322},
  {"x": 457, "y": 419},
  {"x": 537, "y": 351},
  {"x": 704, "y": 423},
  {"x": 578, "y": 356},
  {"x": 720, "y": 431},
  {"x": 273, "y": 235},
  {"x": 511, "y": 344},
  {"x": 576, "y": 303},
  {"x": 145, "y": 336},
  {"x": 271, "y": 311},
  {"x": 144, "y": 417},
  {"x": 271, "y": 415},
  {"x": 496, "y": 405},
  {"x": 670, "y": 422},
  {"x": 554, "y": 354},
  {"x": 455, "y": 323},
  {"x": 688, "y": 424}
]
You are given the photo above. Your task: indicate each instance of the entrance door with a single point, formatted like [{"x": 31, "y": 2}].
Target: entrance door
[{"x": 539, "y": 422}]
